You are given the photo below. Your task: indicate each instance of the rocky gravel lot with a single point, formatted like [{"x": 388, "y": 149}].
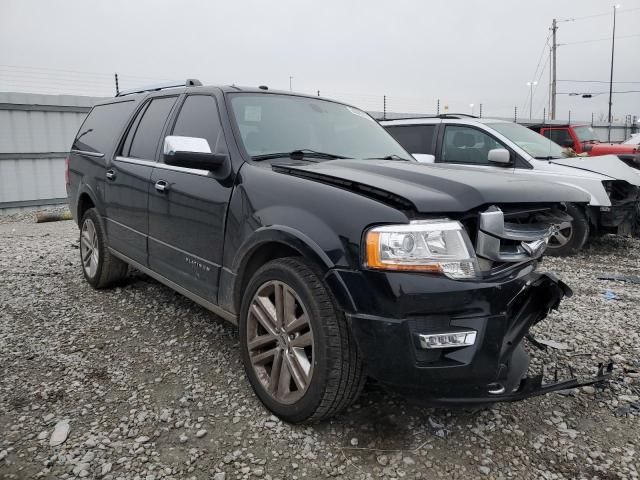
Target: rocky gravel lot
[{"x": 141, "y": 383}]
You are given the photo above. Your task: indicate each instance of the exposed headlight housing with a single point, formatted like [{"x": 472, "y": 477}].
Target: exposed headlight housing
[{"x": 435, "y": 246}]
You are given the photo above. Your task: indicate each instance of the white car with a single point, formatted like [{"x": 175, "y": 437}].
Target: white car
[{"x": 488, "y": 145}]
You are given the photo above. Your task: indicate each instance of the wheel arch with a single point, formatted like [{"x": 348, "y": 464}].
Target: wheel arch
[{"x": 270, "y": 243}]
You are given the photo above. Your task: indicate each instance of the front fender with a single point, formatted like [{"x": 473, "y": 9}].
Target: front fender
[
  {"x": 321, "y": 222},
  {"x": 285, "y": 235}
]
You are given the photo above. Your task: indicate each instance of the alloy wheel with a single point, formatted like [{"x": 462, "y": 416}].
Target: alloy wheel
[
  {"x": 280, "y": 342},
  {"x": 562, "y": 236},
  {"x": 89, "y": 248}
]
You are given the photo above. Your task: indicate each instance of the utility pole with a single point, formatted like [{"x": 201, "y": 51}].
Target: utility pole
[
  {"x": 554, "y": 48},
  {"x": 613, "y": 47},
  {"x": 531, "y": 85},
  {"x": 117, "y": 86},
  {"x": 384, "y": 107},
  {"x": 290, "y": 78}
]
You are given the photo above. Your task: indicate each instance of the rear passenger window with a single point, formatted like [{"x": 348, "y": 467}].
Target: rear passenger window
[
  {"x": 144, "y": 136},
  {"x": 99, "y": 132},
  {"x": 199, "y": 118},
  {"x": 414, "y": 138}
]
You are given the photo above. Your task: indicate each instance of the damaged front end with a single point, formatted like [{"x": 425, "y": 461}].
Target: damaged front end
[
  {"x": 623, "y": 216},
  {"x": 526, "y": 309},
  {"x": 448, "y": 342}
]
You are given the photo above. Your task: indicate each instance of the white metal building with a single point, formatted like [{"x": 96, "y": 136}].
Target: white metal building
[{"x": 36, "y": 132}]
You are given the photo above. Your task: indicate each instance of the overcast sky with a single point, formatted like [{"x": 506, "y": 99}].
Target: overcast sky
[{"x": 414, "y": 52}]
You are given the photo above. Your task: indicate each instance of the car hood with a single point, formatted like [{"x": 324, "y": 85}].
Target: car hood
[
  {"x": 430, "y": 188},
  {"x": 608, "y": 165}
]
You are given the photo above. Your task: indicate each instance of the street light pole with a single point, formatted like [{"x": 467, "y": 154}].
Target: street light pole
[
  {"x": 290, "y": 78},
  {"x": 531, "y": 85},
  {"x": 613, "y": 47}
]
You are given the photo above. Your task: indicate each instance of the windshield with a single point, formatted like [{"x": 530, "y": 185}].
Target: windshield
[
  {"x": 585, "y": 133},
  {"x": 274, "y": 123},
  {"x": 533, "y": 143}
]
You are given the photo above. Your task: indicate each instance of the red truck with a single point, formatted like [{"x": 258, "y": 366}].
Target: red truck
[{"x": 583, "y": 140}]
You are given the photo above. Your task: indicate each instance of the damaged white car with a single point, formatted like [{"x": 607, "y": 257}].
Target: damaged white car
[{"x": 465, "y": 142}]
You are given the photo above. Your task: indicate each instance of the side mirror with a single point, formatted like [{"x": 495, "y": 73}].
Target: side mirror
[
  {"x": 500, "y": 156},
  {"x": 191, "y": 152},
  {"x": 424, "y": 157}
]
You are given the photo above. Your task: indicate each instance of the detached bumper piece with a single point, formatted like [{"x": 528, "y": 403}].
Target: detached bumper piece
[
  {"x": 468, "y": 346},
  {"x": 534, "y": 386}
]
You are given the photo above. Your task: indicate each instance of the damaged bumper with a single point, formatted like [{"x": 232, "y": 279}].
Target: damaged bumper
[
  {"x": 452, "y": 343},
  {"x": 623, "y": 216}
]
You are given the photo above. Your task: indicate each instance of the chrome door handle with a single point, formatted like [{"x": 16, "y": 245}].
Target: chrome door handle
[
  {"x": 111, "y": 175},
  {"x": 162, "y": 186}
]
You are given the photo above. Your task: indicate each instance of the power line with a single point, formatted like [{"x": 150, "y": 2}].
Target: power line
[
  {"x": 598, "y": 40},
  {"x": 593, "y": 81},
  {"x": 597, "y": 93},
  {"x": 544, "y": 50},
  {"x": 573, "y": 19}
]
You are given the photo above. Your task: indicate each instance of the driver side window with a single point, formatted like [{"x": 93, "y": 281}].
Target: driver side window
[{"x": 467, "y": 145}]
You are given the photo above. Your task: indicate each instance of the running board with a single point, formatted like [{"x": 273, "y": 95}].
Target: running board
[{"x": 230, "y": 317}]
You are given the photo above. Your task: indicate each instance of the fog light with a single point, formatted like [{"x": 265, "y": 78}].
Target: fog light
[{"x": 448, "y": 340}]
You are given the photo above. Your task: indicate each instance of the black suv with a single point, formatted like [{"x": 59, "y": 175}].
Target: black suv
[{"x": 338, "y": 256}]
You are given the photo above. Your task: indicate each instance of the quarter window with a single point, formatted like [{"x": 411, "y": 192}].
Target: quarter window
[
  {"x": 414, "y": 138},
  {"x": 101, "y": 128},
  {"x": 199, "y": 118},
  {"x": 467, "y": 145},
  {"x": 144, "y": 136}
]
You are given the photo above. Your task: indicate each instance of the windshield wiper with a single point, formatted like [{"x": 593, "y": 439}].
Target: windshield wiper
[
  {"x": 389, "y": 157},
  {"x": 300, "y": 154},
  {"x": 548, "y": 157}
]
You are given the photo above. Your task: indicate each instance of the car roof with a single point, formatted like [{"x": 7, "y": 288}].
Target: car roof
[
  {"x": 158, "y": 90},
  {"x": 464, "y": 119}
]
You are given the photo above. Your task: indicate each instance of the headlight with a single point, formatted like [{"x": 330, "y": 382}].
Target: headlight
[{"x": 436, "y": 246}]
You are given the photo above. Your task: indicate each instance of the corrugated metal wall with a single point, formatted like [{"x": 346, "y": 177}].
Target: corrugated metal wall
[{"x": 36, "y": 132}]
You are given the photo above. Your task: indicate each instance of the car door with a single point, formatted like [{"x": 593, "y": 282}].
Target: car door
[
  {"x": 468, "y": 147},
  {"x": 187, "y": 207},
  {"x": 129, "y": 177}
]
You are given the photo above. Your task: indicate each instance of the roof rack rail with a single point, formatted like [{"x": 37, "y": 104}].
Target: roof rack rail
[
  {"x": 190, "y": 82},
  {"x": 457, "y": 115},
  {"x": 442, "y": 115}
]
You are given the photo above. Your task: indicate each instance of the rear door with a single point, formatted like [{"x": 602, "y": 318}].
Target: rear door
[
  {"x": 187, "y": 207},
  {"x": 129, "y": 177}
]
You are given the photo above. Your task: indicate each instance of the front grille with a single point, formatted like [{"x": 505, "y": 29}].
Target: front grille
[{"x": 505, "y": 242}]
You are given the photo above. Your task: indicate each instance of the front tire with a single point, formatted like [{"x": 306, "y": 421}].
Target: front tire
[
  {"x": 297, "y": 349},
  {"x": 100, "y": 268},
  {"x": 571, "y": 236}
]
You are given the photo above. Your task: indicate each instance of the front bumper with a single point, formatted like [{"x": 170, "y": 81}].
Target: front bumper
[{"x": 388, "y": 312}]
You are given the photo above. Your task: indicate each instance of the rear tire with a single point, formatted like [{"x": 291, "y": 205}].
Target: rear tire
[
  {"x": 100, "y": 268},
  {"x": 572, "y": 236},
  {"x": 306, "y": 334}
]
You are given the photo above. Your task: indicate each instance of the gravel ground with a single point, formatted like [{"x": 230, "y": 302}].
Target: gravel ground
[{"x": 150, "y": 386}]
